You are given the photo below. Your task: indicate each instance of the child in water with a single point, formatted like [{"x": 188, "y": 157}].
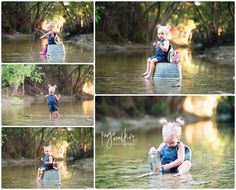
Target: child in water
[
  {"x": 52, "y": 99},
  {"x": 175, "y": 156},
  {"x": 52, "y": 38},
  {"x": 162, "y": 48},
  {"x": 47, "y": 162}
]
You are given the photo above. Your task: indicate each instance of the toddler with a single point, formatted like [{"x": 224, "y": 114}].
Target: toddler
[
  {"x": 47, "y": 162},
  {"x": 162, "y": 48},
  {"x": 52, "y": 102},
  {"x": 175, "y": 156}
]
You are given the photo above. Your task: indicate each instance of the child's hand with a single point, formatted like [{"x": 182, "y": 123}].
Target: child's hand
[
  {"x": 154, "y": 44},
  {"x": 166, "y": 167},
  {"x": 41, "y": 159},
  {"x": 158, "y": 43}
]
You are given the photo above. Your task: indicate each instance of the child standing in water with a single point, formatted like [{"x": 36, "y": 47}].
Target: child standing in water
[
  {"x": 47, "y": 162},
  {"x": 162, "y": 48},
  {"x": 52, "y": 37},
  {"x": 175, "y": 156},
  {"x": 52, "y": 102}
]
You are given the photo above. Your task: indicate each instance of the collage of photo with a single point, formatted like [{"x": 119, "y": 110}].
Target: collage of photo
[{"x": 117, "y": 94}]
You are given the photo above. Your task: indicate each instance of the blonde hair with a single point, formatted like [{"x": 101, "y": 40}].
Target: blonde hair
[
  {"x": 172, "y": 129},
  {"x": 51, "y": 89}
]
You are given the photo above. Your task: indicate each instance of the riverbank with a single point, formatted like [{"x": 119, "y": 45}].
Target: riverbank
[
  {"x": 9, "y": 162},
  {"x": 143, "y": 123},
  {"x": 222, "y": 55},
  {"x": 27, "y": 100},
  {"x": 84, "y": 40},
  {"x": 16, "y": 36},
  {"x": 103, "y": 48}
]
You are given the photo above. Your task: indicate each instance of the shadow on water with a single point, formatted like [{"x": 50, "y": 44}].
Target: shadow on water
[
  {"x": 119, "y": 73},
  {"x": 72, "y": 176},
  {"x": 212, "y": 158},
  {"x": 79, "y": 113},
  {"x": 27, "y": 51}
]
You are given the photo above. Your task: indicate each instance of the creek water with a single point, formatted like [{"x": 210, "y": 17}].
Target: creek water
[
  {"x": 119, "y": 73},
  {"x": 74, "y": 113},
  {"x": 72, "y": 176},
  {"x": 27, "y": 51},
  {"x": 122, "y": 156}
]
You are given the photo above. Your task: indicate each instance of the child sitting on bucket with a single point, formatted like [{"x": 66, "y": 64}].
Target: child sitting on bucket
[
  {"x": 52, "y": 99},
  {"x": 162, "y": 48},
  {"x": 47, "y": 162},
  {"x": 175, "y": 157}
]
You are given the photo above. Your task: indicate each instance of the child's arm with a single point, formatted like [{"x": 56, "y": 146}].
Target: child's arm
[
  {"x": 56, "y": 40},
  {"x": 178, "y": 161},
  {"x": 50, "y": 161},
  {"x": 165, "y": 47},
  {"x": 160, "y": 147},
  {"x": 44, "y": 35},
  {"x": 58, "y": 97}
]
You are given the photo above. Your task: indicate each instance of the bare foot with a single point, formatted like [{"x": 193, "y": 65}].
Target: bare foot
[
  {"x": 38, "y": 179},
  {"x": 147, "y": 77},
  {"x": 178, "y": 174},
  {"x": 144, "y": 74}
]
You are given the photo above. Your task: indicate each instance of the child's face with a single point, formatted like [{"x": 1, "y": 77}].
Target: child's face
[
  {"x": 171, "y": 141},
  {"x": 46, "y": 152},
  {"x": 161, "y": 34}
]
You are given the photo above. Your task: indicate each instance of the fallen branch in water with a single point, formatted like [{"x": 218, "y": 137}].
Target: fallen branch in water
[{"x": 148, "y": 174}]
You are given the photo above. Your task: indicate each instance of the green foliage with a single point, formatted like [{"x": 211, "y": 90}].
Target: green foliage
[
  {"x": 29, "y": 142},
  {"x": 98, "y": 12},
  {"x": 134, "y": 107},
  {"x": 16, "y": 74},
  {"x": 69, "y": 79},
  {"x": 25, "y": 16},
  {"x": 213, "y": 19}
]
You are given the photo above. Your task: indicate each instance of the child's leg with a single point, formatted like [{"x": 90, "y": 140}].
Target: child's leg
[
  {"x": 152, "y": 67},
  {"x": 40, "y": 172},
  {"x": 51, "y": 115},
  {"x": 184, "y": 168},
  {"x": 57, "y": 115},
  {"x": 148, "y": 67}
]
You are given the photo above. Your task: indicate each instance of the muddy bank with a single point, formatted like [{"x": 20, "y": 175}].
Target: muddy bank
[
  {"x": 18, "y": 162},
  {"x": 84, "y": 40},
  {"x": 9, "y": 162},
  {"x": 102, "y": 48},
  {"x": 27, "y": 100},
  {"x": 16, "y": 36},
  {"x": 144, "y": 123},
  {"x": 222, "y": 55}
]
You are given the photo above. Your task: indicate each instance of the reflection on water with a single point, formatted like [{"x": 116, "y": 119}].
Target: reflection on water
[
  {"x": 27, "y": 51},
  {"x": 119, "y": 73},
  {"x": 79, "y": 113},
  {"x": 212, "y": 159},
  {"x": 72, "y": 176},
  {"x": 201, "y": 105}
]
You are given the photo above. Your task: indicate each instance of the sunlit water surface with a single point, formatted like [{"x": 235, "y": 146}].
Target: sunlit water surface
[
  {"x": 119, "y": 162},
  {"x": 74, "y": 113},
  {"x": 119, "y": 73},
  {"x": 27, "y": 51},
  {"x": 72, "y": 176}
]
